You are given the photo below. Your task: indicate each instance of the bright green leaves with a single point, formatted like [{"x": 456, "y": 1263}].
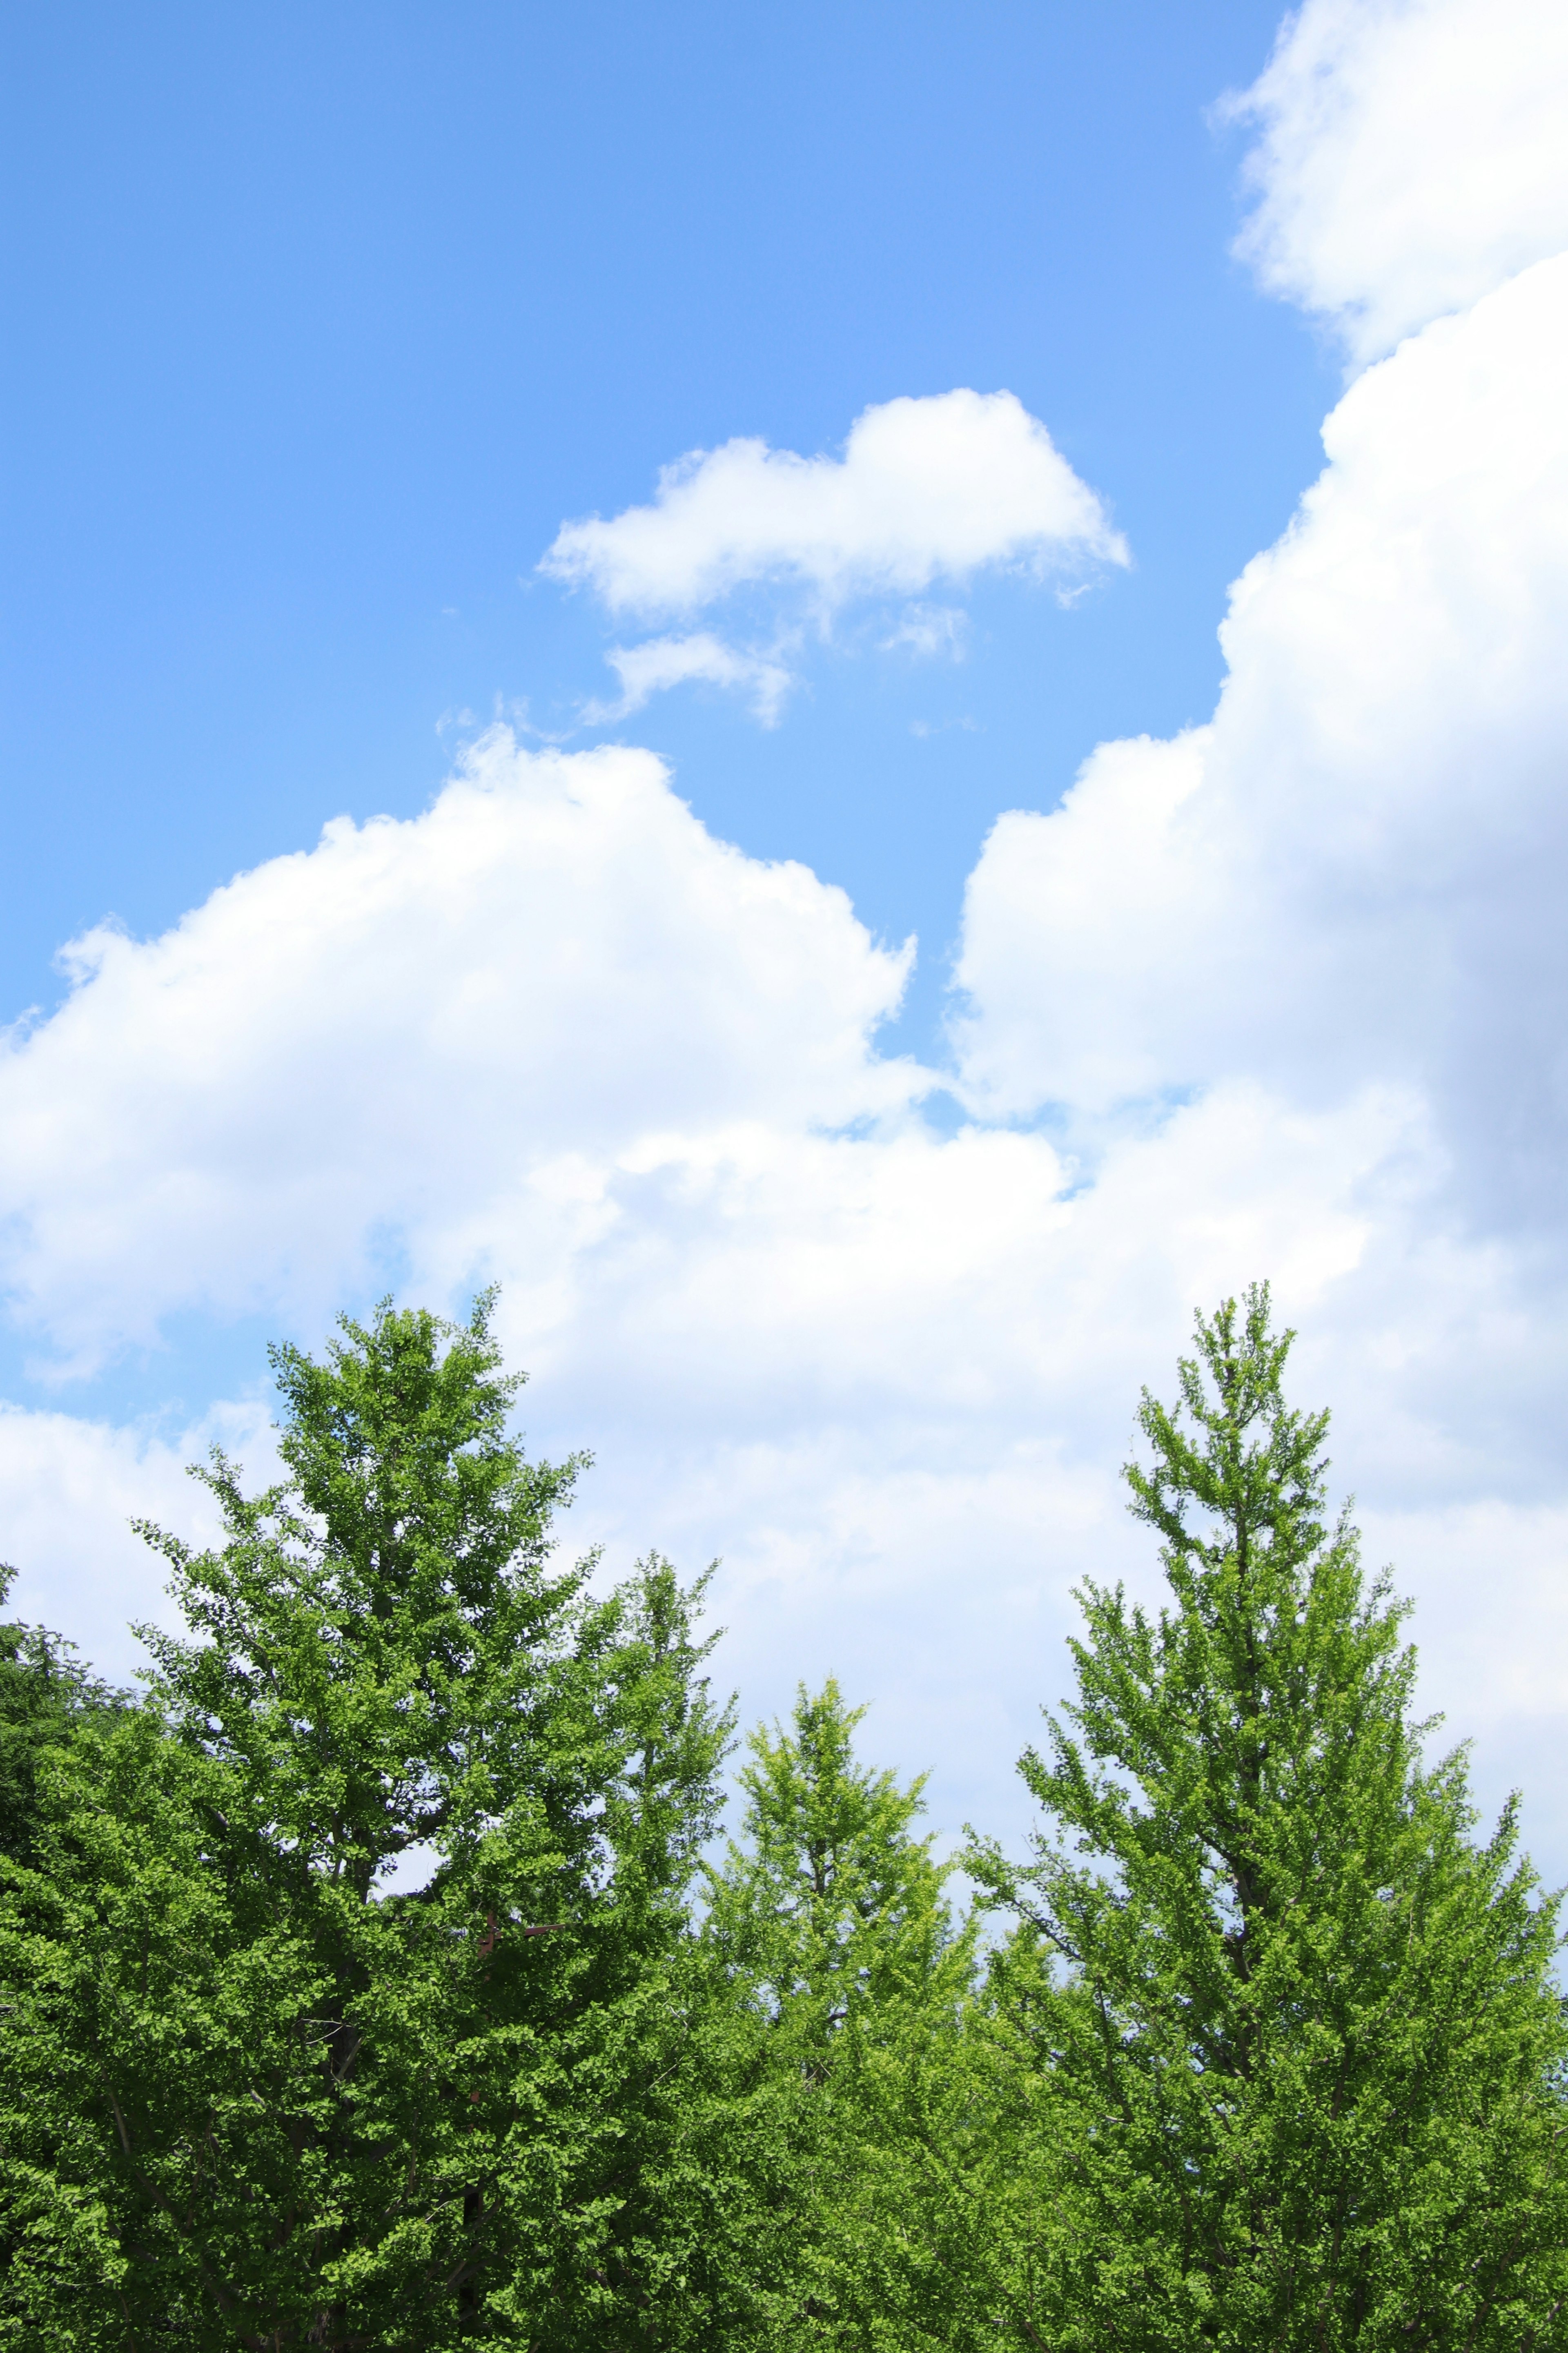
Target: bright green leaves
[
  {"x": 1270, "y": 2062},
  {"x": 671, "y": 1733},
  {"x": 1300, "y": 2051},
  {"x": 830, "y": 1918},
  {"x": 832, "y": 1908},
  {"x": 384, "y": 1637},
  {"x": 161, "y": 2057}
]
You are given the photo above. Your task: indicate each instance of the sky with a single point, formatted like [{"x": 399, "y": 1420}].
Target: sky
[{"x": 867, "y": 700}]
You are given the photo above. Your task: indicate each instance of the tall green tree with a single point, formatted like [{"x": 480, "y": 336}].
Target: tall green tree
[
  {"x": 1281, "y": 2034},
  {"x": 258, "y": 2095}
]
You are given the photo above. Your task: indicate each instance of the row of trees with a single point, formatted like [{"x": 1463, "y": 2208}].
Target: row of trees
[{"x": 1259, "y": 2048}]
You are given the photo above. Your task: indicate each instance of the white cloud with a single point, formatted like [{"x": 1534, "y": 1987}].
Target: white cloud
[
  {"x": 552, "y": 1032},
  {"x": 700, "y": 658},
  {"x": 926, "y": 489},
  {"x": 69, "y": 1491},
  {"x": 1410, "y": 157},
  {"x": 1354, "y": 876},
  {"x": 389, "y": 1031}
]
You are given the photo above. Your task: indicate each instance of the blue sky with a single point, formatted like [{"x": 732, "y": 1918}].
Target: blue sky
[
  {"x": 322, "y": 321},
  {"x": 1124, "y": 545}
]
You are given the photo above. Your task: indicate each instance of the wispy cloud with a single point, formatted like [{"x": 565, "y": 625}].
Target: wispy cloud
[
  {"x": 700, "y": 658},
  {"x": 930, "y": 631}
]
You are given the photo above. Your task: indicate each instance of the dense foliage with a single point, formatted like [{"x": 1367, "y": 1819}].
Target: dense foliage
[{"x": 379, "y": 1979}]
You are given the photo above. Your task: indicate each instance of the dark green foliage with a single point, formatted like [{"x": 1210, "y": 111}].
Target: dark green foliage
[
  {"x": 831, "y": 1919},
  {"x": 1300, "y": 2084},
  {"x": 260, "y": 2100},
  {"x": 45, "y": 1696}
]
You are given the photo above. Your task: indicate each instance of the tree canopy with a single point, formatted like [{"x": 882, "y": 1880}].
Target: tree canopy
[{"x": 379, "y": 1977}]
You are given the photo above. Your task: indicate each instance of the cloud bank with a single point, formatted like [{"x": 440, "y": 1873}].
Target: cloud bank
[
  {"x": 417, "y": 1027},
  {"x": 1286, "y": 994},
  {"x": 1354, "y": 874}
]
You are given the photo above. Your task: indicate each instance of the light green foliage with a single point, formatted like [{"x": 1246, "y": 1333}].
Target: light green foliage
[
  {"x": 831, "y": 1909},
  {"x": 830, "y": 1916},
  {"x": 253, "y": 2097},
  {"x": 1299, "y": 2084}
]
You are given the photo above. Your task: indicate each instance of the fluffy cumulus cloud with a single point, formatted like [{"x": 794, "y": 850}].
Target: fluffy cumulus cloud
[
  {"x": 1354, "y": 874},
  {"x": 1354, "y": 871},
  {"x": 1409, "y": 157},
  {"x": 1286, "y": 994},
  {"x": 411, "y": 1026},
  {"x": 926, "y": 489}
]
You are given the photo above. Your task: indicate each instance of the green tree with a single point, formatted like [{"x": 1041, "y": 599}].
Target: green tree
[
  {"x": 830, "y": 1908},
  {"x": 831, "y": 1918},
  {"x": 45, "y": 1695},
  {"x": 1282, "y": 2037},
  {"x": 255, "y": 2094}
]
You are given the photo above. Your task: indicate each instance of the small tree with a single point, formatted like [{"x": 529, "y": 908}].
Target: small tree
[
  {"x": 1296, "y": 2072},
  {"x": 256, "y": 2097},
  {"x": 832, "y": 1908},
  {"x": 831, "y": 1919}
]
